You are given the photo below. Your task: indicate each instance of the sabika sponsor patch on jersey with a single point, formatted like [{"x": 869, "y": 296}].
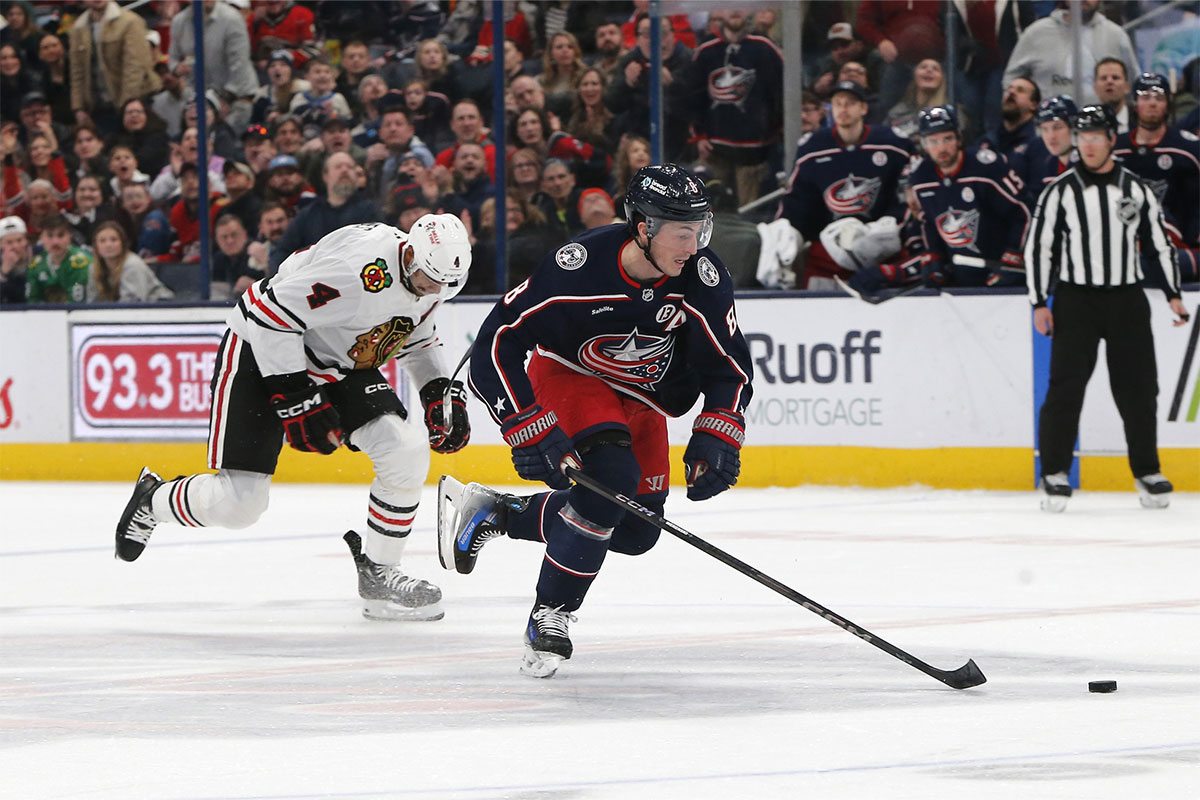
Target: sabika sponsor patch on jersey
[
  {"x": 571, "y": 255},
  {"x": 708, "y": 272}
]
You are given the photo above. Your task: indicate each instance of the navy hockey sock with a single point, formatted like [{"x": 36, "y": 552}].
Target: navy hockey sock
[
  {"x": 532, "y": 523},
  {"x": 575, "y": 551}
]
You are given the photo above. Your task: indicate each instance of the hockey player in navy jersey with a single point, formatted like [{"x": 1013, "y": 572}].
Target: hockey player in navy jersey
[
  {"x": 1168, "y": 160},
  {"x": 850, "y": 170},
  {"x": 628, "y": 324},
  {"x": 971, "y": 203},
  {"x": 1057, "y": 152}
]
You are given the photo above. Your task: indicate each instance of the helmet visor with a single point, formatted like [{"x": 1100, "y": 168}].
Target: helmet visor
[{"x": 680, "y": 232}]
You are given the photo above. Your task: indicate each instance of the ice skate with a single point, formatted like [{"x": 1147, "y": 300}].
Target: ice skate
[
  {"x": 468, "y": 516},
  {"x": 388, "y": 594},
  {"x": 1154, "y": 491},
  {"x": 546, "y": 641},
  {"x": 137, "y": 520},
  {"x": 1056, "y": 490}
]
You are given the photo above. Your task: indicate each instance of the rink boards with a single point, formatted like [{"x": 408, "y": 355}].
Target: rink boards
[{"x": 939, "y": 390}]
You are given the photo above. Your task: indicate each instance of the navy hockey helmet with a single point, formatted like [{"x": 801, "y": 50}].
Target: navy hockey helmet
[
  {"x": 937, "y": 119},
  {"x": 1095, "y": 117},
  {"x": 663, "y": 193},
  {"x": 1061, "y": 106},
  {"x": 1151, "y": 82}
]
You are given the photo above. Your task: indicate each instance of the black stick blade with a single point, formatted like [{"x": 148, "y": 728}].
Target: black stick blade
[{"x": 964, "y": 677}]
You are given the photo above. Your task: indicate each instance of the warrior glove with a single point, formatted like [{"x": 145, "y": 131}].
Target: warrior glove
[
  {"x": 540, "y": 448},
  {"x": 712, "y": 460}
]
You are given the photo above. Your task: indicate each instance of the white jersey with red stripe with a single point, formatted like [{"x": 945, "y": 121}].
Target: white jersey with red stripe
[{"x": 341, "y": 305}]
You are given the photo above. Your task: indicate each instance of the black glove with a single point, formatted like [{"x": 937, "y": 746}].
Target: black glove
[
  {"x": 712, "y": 459},
  {"x": 540, "y": 449},
  {"x": 310, "y": 423},
  {"x": 446, "y": 435}
]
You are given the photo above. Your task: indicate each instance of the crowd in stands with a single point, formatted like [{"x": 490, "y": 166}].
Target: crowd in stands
[{"x": 322, "y": 113}]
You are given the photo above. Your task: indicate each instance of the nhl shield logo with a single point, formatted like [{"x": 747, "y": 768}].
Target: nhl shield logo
[
  {"x": 709, "y": 275},
  {"x": 1127, "y": 210},
  {"x": 571, "y": 256}
]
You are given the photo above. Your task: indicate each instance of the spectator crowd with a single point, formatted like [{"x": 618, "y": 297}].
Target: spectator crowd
[{"x": 320, "y": 114}]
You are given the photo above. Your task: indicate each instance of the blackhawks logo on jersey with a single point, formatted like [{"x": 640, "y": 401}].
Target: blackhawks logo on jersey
[
  {"x": 376, "y": 346},
  {"x": 629, "y": 357},
  {"x": 375, "y": 276}
]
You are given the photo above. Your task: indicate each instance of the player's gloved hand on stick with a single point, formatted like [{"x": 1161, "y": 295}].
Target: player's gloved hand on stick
[
  {"x": 448, "y": 425},
  {"x": 540, "y": 448},
  {"x": 712, "y": 460},
  {"x": 310, "y": 423},
  {"x": 934, "y": 273}
]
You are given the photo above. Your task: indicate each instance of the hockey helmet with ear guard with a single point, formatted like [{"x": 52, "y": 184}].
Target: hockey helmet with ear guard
[
  {"x": 662, "y": 193},
  {"x": 937, "y": 119},
  {"x": 1095, "y": 117},
  {"x": 441, "y": 249},
  {"x": 1061, "y": 106}
]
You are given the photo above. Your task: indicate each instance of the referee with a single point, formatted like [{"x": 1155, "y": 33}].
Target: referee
[{"x": 1084, "y": 246}]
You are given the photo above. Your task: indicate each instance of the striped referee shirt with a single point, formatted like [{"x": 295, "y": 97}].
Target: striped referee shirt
[{"x": 1087, "y": 231}]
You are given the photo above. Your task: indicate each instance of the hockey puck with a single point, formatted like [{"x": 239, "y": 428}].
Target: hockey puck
[{"x": 1102, "y": 687}]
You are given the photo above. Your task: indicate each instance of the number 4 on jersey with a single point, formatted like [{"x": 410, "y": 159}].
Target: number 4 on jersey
[{"x": 322, "y": 294}]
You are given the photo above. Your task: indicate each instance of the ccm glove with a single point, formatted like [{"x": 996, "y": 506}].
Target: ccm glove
[
  {"x": 934, "y": 273},
  {"x": 540, "y": 449},
  {"x": 446, "y": 415},
  {"x": 310, "y": 423},
  {"x": 712, "y": 459}
]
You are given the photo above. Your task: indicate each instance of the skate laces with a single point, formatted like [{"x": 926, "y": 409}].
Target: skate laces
[
  {"x": 396, "y": 580},
  {"x": 553, "y": 621}
]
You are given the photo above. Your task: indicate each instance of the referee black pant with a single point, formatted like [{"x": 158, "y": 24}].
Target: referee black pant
[{"x": 1084, "y": 315}]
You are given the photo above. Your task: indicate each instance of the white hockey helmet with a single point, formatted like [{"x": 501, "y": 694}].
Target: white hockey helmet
[{"x": 441, "y": 249}]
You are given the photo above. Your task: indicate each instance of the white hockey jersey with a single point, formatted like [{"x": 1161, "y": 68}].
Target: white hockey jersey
[{"x": 340, "y": 305}]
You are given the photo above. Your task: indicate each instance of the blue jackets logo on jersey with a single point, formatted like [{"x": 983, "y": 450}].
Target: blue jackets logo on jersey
[
  {"x": 730, "y": 85},
  {"x": 959, "y": 228},
  {"x": 629, "y": 358},
  {"x": 571, "y": 256},
  {"x": 852, "y": 195}
]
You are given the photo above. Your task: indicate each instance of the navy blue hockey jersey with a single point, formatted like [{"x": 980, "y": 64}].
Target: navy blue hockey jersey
[
  {"x": 663, "y": 343},
  {"x": 832, "y": 180},
  {"x": 734, "y": 92},
  {"x": 1171, "y": 169},
  {"x": 976, "y": 211}
]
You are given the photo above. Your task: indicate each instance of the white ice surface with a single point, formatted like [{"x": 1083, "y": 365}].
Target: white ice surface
[{"x": 235, "y": 664}]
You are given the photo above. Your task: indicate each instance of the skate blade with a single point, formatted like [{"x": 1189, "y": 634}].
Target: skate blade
[
  {"x": 539, "y": 665},
  {"x": 1054, "y": 504},
  {"x": 383, "y": 611},
  {"x": 450, "y": 492},
  {"x": 1153, "y": 501}
]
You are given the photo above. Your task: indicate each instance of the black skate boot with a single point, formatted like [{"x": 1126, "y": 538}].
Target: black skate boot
[
  {"x": 137, "y": 520},
  {"x": 1154, "y": 491},
  {"x": 547, "y": 643},
  {"x": 468, "y": 516},
  {"x": 389, "y": 594},
  {"x": 1056, "y": 490}
]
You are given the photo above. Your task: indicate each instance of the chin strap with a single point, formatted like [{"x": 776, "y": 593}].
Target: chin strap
[{"x": 649, "y": 257}]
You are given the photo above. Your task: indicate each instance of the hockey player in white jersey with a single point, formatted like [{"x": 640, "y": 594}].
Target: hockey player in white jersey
[{"x": 301, "y": 361}]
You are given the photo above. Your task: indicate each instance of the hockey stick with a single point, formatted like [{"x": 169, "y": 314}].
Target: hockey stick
[
  {"x": 877, "y": 299},
  {"x": 985, "y": 263},
  {"x": 964, "y": 677},
  {"x": 446, "y": 401}
]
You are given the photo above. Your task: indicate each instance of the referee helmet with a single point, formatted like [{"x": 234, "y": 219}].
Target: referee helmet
[{"x": 1095, "y": 117}]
